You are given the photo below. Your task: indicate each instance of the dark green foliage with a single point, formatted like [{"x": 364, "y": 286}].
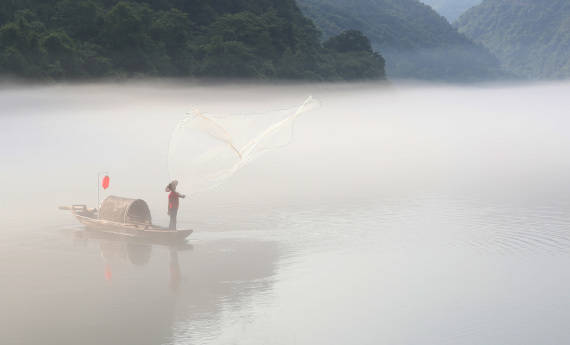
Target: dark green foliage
[
  {"x": 64, "y": 39},
  {"x": 349, "y": 41},
  {"x": 531, "y": 38},
  {"x": 416, "y": 41},
  {"x": 352, "y": 52}
]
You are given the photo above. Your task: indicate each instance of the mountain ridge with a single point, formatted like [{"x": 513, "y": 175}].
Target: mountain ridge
[
  {"x": 451, "y": 9},
  {"x": 416, "y": 41},
  {"x": 530, "y": 38}
]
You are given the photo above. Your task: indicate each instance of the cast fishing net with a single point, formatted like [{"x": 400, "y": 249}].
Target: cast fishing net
[{"x": 205, "y": 150}]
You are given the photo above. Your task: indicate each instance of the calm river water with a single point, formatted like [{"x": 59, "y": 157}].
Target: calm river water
[{"x": 397, "y": 215}]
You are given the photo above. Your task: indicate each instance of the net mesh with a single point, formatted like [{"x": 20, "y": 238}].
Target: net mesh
[{"x": 205, "y": 150}]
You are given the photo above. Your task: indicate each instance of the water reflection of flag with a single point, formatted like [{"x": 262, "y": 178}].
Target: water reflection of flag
[{"x": 108, "y": 273}]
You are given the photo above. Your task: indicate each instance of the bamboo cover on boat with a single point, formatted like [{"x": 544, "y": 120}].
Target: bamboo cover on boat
[{"x": 125, "y": 211}]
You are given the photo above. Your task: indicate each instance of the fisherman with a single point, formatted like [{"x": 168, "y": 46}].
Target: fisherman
[{"x": 173, "y": 201}]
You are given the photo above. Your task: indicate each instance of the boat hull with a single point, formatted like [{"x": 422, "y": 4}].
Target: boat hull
[{"x": 132, "y": 230}]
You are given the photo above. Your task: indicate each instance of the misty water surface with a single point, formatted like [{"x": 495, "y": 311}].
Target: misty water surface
[{"x": 397, "y": 215}]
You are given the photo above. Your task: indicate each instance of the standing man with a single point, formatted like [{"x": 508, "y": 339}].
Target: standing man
[{"x": 173, "y": 202}]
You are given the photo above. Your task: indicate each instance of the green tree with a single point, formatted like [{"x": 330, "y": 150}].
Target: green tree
[
  {"x": 81, "y": 20},
  {"x": 65, "y": 39},
  {"x": 349, "y": 41}
]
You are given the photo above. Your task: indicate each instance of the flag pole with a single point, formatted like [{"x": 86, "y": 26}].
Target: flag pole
[{"x": 105, "y": 173}]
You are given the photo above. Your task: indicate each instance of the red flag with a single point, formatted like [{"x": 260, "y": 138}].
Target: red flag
[{"x": 106, "y": 181}]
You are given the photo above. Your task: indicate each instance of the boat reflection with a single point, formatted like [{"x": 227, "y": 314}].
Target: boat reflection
[
  {"x": 118, "y": 250},
  {"x": 175, "y": 275},
  {"x": 128, "y": 292}
]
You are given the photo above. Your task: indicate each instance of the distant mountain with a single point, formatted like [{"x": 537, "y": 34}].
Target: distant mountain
[
  {"x": 264, "y": 39},
  {"x": 416, "y": 42},
  {"x": 451, "y": 9},
  {"x": 531, "y": 38}
]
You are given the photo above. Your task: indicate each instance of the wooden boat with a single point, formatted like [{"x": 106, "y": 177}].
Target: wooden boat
[
  {"x": 125, "y": 217},
  {"x": 84, "y": 234}
]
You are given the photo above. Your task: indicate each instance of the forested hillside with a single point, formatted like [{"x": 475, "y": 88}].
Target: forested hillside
[
  {"x": 530, "y": 37},
  {"x": 415, "y": 40},
  {"x": 65, "y": 39},
  {"x": 451, "y": 9}
]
